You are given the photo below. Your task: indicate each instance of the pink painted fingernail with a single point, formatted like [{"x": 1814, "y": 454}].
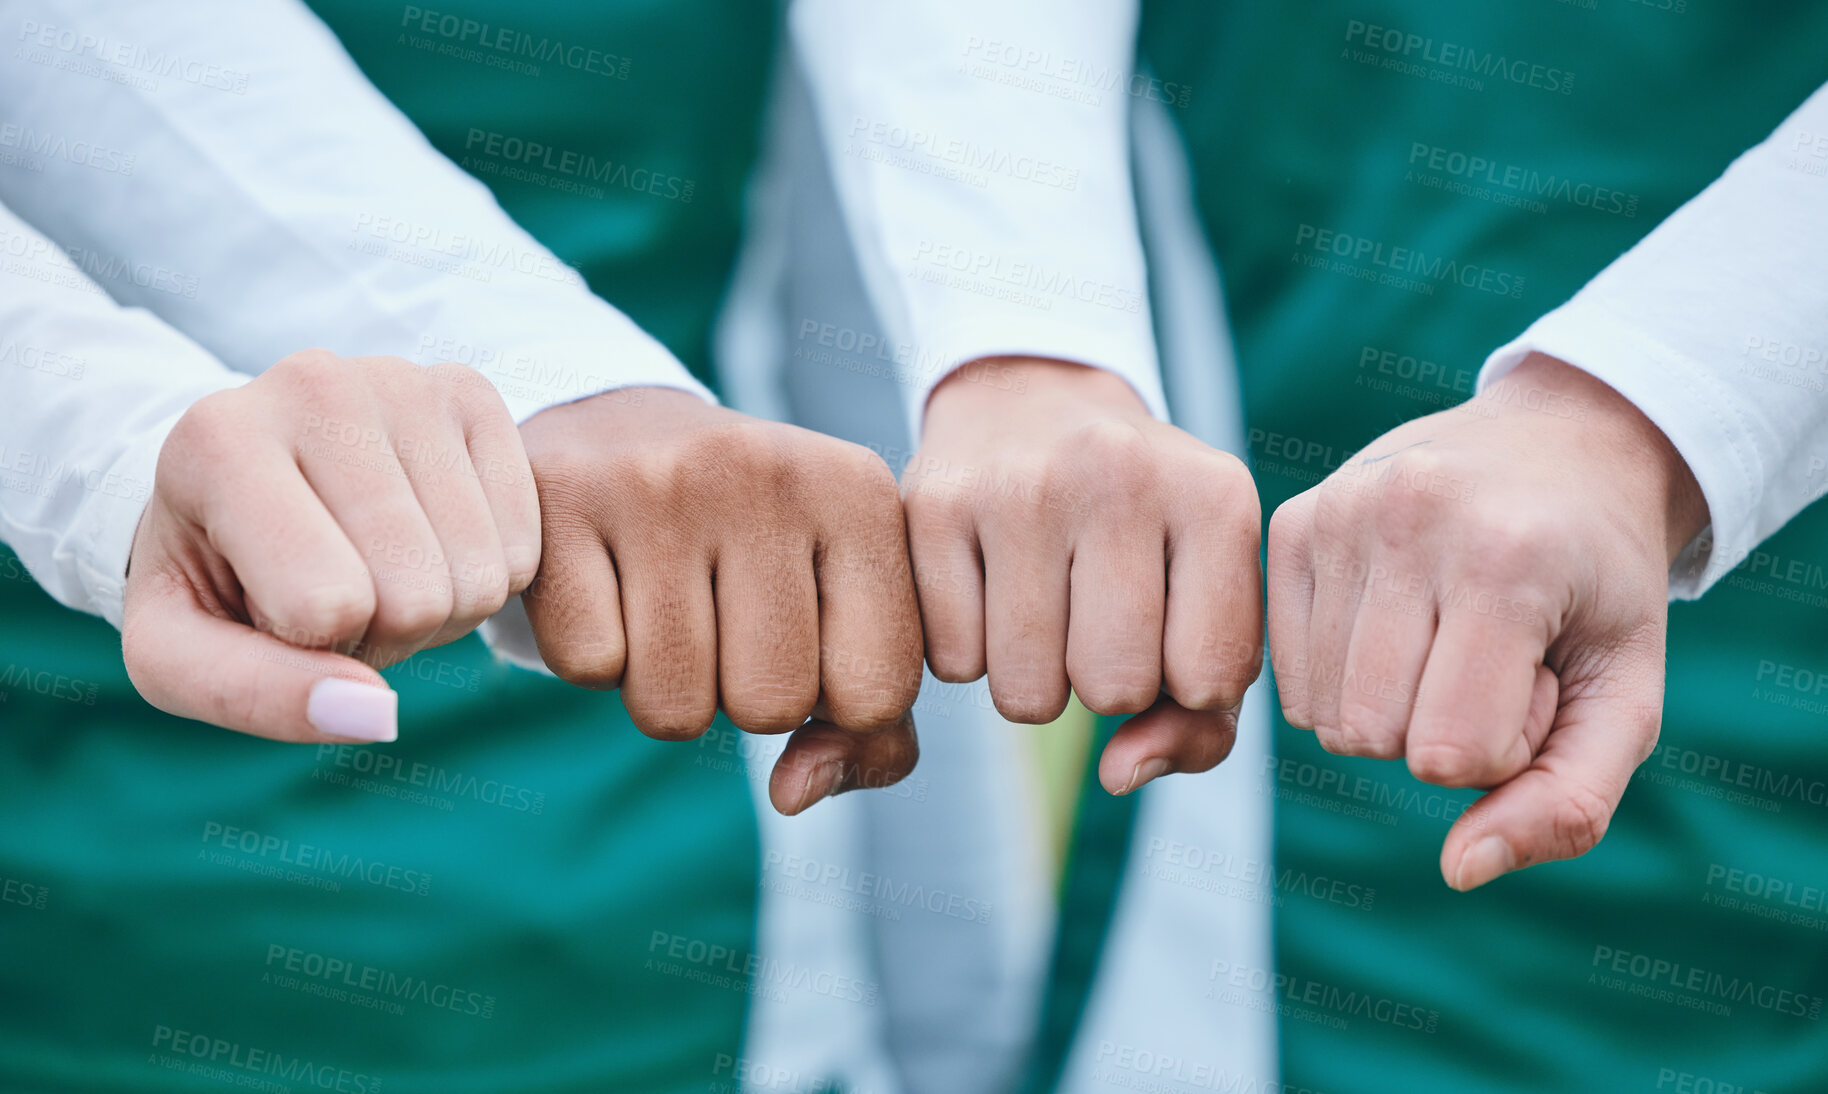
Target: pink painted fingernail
[
  {"x": 352, "y": 711},
  {"x": 1490, "y": 858}
]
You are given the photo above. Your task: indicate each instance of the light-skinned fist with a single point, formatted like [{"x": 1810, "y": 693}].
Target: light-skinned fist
[
  {"x": 1066, "y": 540},
  {"x": 1482, "y": 592},
  {"x": 331, "y": 516}
]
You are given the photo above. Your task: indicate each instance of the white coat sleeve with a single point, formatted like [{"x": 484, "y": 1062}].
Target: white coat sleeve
[
  {"x": 91, "y": 389},
  {"x": 224, "y": 164},
  {"x": 980, "y": 151},
  {"x": 1716, "y": 327}
]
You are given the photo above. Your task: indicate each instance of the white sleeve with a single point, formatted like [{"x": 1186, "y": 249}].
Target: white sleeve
[
  {"x": 224, "y": 164},
  {"x": 1716, "y": 327},
  {"x": 91, "y": 390},
  {"x": 980, "y": 150}
]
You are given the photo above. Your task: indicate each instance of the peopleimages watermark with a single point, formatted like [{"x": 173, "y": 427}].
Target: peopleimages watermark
[
  {"x": 717, "y": 965},
  {"x": 1072, "y": 78},
  {"x": 570, "y": 170},
  {"x": 1373, "y": 260},
  {"x": 317, "y": 867},
  {"x": 1291, "y": 996},
  {"x": 1405, "y": 50},
  {"x": 22, "y": 146},
  {"x": 237, "y": 1064},
  {"x": 347, "y": 981},
  {"x": 868, "y": 892},
  {"x": 1142, "y": 1069},
  {"x": 1666, "y": 981},
  {"x": 969, "y": 161},
  {"x": 1210, "y": 869},
  {"x": 121, "y": 61},
  {"x": 745, "y": 1075},
  {"x": 1510, "y": 184},
  {"x": 389, "y": 767},
  {"x": 512, "y": 49}
]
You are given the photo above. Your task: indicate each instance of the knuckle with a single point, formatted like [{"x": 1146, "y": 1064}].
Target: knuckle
[
  {"x": 954, "y": 662},
  {"x": 870, "y": 704},
  {"x": 1401, "y": 517},
  {"x": 414, "y": 611},
  {"x": 323, "y": 616},
  {"x": 1579, "y": 820},
  {"x": 1118, "y": 692},
  {"x": 937, "y": 514},
  {"x": 595, "y": 665},
  {"x": 677, "y": 719},
  {"x": 206, "y": 430},
  {"x": 768, "y": 703},
  {"x": 1220, "y": 480},
  {"x": 1369, "y": 733},
  {"x": 1220, "y": 674},
  {"x": 750, "y": 450},
  {"x": 522, "y": 562},
  {"x": 1451, "y": 763},
  {"x": 1116, "y": 458},
  {"x": 1288, "y": 531},
  {"x": 891, "y": 757},
  {"x": 480, "y": 586},
  {"x": 316, "y": 372},
  {"x": 1027, "y": 704}
]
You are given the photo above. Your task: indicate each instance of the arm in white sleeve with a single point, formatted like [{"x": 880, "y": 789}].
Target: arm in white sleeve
[
  {"x": 980, "y": 150},
  {"x": 224, "y": 164},
  {"x": 91, "y": 390},
  {"x": 1716, "y": 327}
]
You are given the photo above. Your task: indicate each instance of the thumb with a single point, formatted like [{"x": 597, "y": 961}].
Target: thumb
[
  {"x": 1611, "y": 705},
  {"x": 190, "y": 662}
]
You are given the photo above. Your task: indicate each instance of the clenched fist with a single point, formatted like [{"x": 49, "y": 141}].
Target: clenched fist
[
  {"x": 330, "y": 516},
  {"x": 697, "y": 558},
  {"x": 1065, "y": 539},
  {"x": 1483, "y": 591}
]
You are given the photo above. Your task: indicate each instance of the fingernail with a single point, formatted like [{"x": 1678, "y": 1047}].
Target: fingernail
[
  {"x": 355, "y": 712},
  {"x": 821, "y": 783},
  {"x": 1491, "y": 857},
  {"x": 1145, "y": 772}
]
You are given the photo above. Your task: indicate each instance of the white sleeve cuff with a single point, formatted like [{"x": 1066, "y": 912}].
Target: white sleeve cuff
[
  {"x": 1131, "y": 358},
  {"x": 101, "y": 538},
  {"x": 535, "y": 376}
]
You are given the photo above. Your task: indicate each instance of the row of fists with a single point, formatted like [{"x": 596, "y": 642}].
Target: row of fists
[{"x": 334, "y": 516}]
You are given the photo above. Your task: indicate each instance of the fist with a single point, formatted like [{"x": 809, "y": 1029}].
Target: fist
[
  {"x": 1483, "y": 592},
  {"x": 697, "y": 558},
  {"x": 330, "y": 516},
  {"x": 1066, "y": 540}
]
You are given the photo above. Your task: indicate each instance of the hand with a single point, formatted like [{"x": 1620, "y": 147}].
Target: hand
[
  {"x": 330, "y": 516},
  {"x": 697, "y": 556},
  {"x": 1484, "y": 590},
  {"x": 1063, "y": 538}
]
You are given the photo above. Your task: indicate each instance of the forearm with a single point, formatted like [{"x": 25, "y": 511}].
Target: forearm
[{"x": 289, "y": 205}]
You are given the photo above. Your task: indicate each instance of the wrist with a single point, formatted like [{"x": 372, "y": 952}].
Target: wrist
[
  {"x": 1637, "y": 444},
  {"x": 998, "y": 384}
]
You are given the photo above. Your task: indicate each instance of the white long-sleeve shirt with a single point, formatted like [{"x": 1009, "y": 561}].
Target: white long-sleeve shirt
[
  {"x": 91, "y": 388},
  {"x": 981, "y": 156},
  {"x": 226, "y": 171},
  {"x": 226, "y": 167},
  {"x": 1716, "y": 327}
]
